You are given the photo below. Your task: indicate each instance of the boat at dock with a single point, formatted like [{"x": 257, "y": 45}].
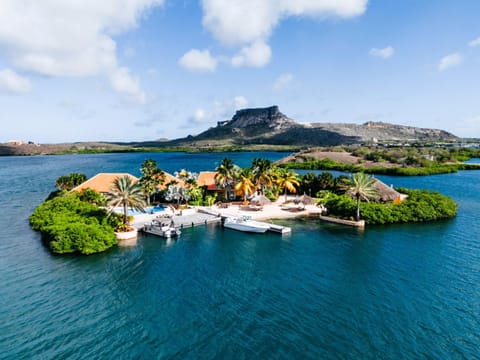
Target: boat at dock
[
  {"x": 166, "y": 230},
  {"x": 244, "y": 223}
]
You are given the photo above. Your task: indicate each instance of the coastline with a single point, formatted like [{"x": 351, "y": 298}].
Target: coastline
[{"x": 268, "y": 212}]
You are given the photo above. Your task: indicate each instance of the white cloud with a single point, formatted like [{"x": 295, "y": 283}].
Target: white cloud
[
  {"x": 199, "y": 115},
  {"x": 239, "y": 22},
  {"x": 450, "y": 61},
  {"x": 282, "y": 82},
  {"x": 256, "y": 55},
  {"x": 126, "y": 84},
  {"x": 249, "y": 23},
  {"x": 220, "y": 110},
  {"x": 70, "y": 38},
  {"x": 198, "y": 61},
  {"x": 11, "y": 82},
  {"x": 474, "y": 43},
  {"x": 384, "y": 53}
]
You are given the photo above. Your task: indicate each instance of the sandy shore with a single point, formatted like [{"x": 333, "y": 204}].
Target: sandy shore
[{"x": 275, "y": 210}]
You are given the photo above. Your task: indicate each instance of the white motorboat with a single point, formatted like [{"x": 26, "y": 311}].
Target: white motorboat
[
  {"x": 245, "y": 224},
  {"x": 164, "y": 230}
]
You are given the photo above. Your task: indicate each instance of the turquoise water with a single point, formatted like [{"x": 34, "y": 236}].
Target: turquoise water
[{"x": 404, "y": 291}]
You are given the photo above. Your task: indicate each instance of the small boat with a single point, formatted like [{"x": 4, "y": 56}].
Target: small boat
[
  {"x": 244, "y": 223},
  {"x": 165, "y": 230}
]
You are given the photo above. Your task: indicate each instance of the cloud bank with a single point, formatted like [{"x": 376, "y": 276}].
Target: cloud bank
[
  {"x": 240, "y": 22},
  {"x": 246, "y": 25},
  {"x": 71, "y": 38}
]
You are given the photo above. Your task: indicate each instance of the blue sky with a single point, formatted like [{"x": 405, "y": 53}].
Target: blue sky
[{"x": 128, "y": 70}]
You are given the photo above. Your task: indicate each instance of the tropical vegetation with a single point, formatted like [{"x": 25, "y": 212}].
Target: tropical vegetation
[
  {"x": 287, "y": 180},
  {"x": 126, "y": 194},
  {"x": 76, "y": 222},
  {"x": 361, "y": 187},
  {"x": 395, "y": 161},
  {"x": 152, "y": 176},
  {"x": 71, "y": 224},
  {"x": 420, "y": 206},
  {"x": 225, "y": 176},
  {"x": 68, "y": 182},
  {"x": 245, "y": 183}
]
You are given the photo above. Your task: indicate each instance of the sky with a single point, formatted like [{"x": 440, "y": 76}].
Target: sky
[{"x": 134, "y": 70}]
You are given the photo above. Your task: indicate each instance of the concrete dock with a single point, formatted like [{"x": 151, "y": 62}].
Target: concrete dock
[
  {"x": 194, "y": 219},
  {"x": 279, "y": 229}
]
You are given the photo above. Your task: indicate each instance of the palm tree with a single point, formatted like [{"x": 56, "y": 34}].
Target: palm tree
[
  {"x": 361, "y": 187},
  {"x": 225, "y": 175},
  {"x": 196, "y": 194},
  {"x": 287, "y": 180},
  {"x": 152, "y": 177},
  {"x": 126, "y": 193},
  {"x": 263, "y": 173},
  {"x": 245, "y": 183},
  {"x": 189, "y": 178}
]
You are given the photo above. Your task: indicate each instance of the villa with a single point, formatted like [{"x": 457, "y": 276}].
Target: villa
[
  {"x": 102, "y": 182},
  {"x": 207, "y": 179}
]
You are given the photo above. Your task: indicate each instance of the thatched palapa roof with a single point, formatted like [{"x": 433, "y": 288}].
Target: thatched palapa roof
[
  {"x": 260, "y": 200},
  {"x": 306, "y": 200},
  {"x": 387, "y": 193}
]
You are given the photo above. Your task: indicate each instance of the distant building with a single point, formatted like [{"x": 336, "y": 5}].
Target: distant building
[{"x": 16, "y": 142}]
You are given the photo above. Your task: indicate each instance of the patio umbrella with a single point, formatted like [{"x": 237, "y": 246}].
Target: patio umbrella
[
  {"x": 260, "y": 200},
  {"x": 306, "y": 200}
]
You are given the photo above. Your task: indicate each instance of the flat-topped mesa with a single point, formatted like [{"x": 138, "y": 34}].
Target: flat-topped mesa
[
  {"x": 416, "y": 132},
  {"x": 269, "y": 116}
]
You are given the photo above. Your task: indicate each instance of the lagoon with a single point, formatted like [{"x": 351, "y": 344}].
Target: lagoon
[{"x": 326, "y": 291}]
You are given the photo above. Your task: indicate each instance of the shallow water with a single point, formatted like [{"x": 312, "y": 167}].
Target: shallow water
[{"x": 403, "y": 291}]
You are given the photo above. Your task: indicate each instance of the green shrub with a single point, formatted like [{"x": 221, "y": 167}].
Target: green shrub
[
  {"x": 70, "y": 225},
  {"x": 420, "y": 206}
]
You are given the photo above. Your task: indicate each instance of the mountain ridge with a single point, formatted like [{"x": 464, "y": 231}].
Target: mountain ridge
[
  {"x": 270, "y": 126},
  {"x": 254, "y": 127}
]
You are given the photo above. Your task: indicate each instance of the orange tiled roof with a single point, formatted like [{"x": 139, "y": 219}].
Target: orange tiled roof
[
  {"x": 102, "y": 182},
  {"x": 170, "y": 178},
  {"x": 207, "y": 178}
]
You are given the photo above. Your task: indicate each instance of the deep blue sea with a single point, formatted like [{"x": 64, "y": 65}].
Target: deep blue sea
[{"x": 326, "y": 291}]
